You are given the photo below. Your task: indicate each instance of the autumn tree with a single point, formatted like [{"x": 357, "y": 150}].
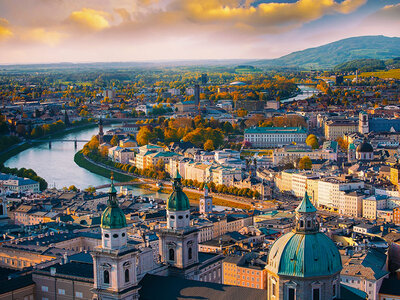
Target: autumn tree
[
  {"x": 312, "y": 141},
  {"x": 209, "y": 145},
  {"x": 305, "y": 163}
]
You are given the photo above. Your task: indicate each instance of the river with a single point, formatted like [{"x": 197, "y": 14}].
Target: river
[
  {"x": 57, "y": 166},
  {"x": 306, "y": 92}
]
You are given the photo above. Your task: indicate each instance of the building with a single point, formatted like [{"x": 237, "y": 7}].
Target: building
[
  {"x": 247, "y": 271},
  {"x": 372, "y": 204},
  {"x": 304, "y": 263},
  {"x": 272, "y": 137},
  {"x": 366, "y": 272},
  {"x": 17, "y": 184},
  {"x": 329, "y": 196},
  {"x": 205, "y": 204},
  {"x": 114, "y": 262},
  {"x": 365, "y": 151},
  {"x": 337, "y": 128},
  {"x": 179, "y": 241}
]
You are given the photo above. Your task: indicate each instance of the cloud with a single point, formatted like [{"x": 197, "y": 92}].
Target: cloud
[
  {"x": 41, "y": 35},
  {"x": 264, "y": 17},
  {"x": 90, "y": 19},
  {"x": 5, "y": 32}
]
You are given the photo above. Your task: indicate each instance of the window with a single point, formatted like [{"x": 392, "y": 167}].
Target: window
[
  {"x": 190, "y": 253},
  {"x": 45, "y": 288},
  {"x": 123, "y": 234},
  {"x": 301, "y": 223},
  {"x": 172, "y": 217},
  {"x": 291, "y": 294},
  {"x": 106, "y": 277},
  {"x": 107, "y": 235},
  {"x": 61, "y": 292},
  {"x": 187, "y": 216},
  {"x": 273, "y": 291},
  {"x": 180, "y": 217},
  {"x": 78, "y": 295},
  {"x": 171, "y": 254},
  {"x": 115, "y": 235},
  {"x": 315, "y": 294},
  {"x": 126, "y": 275}
]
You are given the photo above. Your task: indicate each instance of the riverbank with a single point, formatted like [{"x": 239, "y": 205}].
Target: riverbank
[
  {"x": 85, "y": 163},
  {"x": 14, "y": 150}
]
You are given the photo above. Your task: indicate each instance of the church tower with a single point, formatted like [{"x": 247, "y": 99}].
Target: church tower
[
  {"x": 179, "y": 241},
  {"x": 206, "y": 202},
  {"x": 363, "y": 123},
  {"x": 115, "y": 260},
  {"x": 3, "y": 206}
]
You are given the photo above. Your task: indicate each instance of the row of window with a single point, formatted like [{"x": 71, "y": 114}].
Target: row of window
[
  {"x": 60, "y": 292},
  {"x": 115, "y": 235}
]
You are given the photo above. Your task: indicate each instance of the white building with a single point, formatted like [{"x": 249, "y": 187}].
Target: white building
[
  {"x": 329, "y": 189},
  {"x": 15, "y": 184},
  {"x": 274, "y": 136}
]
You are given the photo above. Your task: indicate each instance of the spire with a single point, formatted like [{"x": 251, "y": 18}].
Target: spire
[
  {"x": 112, "y": 200},
  {"x": 306, "y": 206},
  {"x": 306, "y": 217}
]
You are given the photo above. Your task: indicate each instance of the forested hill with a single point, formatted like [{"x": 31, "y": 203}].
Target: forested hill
[{"x": 329, "y": 55}]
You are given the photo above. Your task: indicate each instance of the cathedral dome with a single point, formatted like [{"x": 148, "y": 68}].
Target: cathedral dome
[
  {"x": 178, "y": 201},
  {"x": 113, "y": 217},
  {"x": 304, "y": 255},
  {"x": 365, "y": 147},
  {"x": 304, "y": 252}
]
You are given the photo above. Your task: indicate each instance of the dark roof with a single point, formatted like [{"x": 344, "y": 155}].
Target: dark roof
[
  {"x": 350, "y": 293},
  {"x": 177, "y": 288},
  {"x": 15, "y": 283},
  {"x": 383, "y": 125},
  {"x": 390, "y": 287},
  {"x": 74, "y": 268},
  {"x": 365, "y": 147}
]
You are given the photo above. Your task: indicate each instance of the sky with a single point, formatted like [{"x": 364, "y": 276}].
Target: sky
[{"x": 49, "y": 31}]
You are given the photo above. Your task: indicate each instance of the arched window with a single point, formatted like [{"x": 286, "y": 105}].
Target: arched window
[
  {"x": 190, "y": 253},
  {"x": 126, "y": 275},
  {"x": 301, "y": 223},
  {"x": 106, "y": 278},
  {"x": 171, "y": 254},
  {"x": 1, "y": 209}
]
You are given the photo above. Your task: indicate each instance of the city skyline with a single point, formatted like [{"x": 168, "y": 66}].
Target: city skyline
[{"x": 45, "y": 31}]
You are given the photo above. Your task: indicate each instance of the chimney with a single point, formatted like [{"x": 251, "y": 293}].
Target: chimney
[{"x": 52, "y": 271}]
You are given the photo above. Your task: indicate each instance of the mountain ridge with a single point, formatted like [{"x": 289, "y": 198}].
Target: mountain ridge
[{"x": 337, "y": 52}]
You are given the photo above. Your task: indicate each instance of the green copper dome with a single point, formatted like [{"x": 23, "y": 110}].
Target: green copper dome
[
  {"x": 178, "y": 201},
  {"x": 304, "y": 255},
  {"x": 113, "y": 217},
  {"x": 304, "y": 252}
]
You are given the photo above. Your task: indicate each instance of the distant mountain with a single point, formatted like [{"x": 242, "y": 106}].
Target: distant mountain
[{"x": 332, "y": 54}]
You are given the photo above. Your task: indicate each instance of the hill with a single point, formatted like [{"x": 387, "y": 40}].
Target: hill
[{"x": 332, "y": 54}]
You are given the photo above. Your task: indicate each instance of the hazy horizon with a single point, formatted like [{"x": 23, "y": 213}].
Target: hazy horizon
[{"x": 148, "y": 31}]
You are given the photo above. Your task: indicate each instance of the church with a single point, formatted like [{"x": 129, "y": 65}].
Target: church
[{"x": 303, "y": 264}]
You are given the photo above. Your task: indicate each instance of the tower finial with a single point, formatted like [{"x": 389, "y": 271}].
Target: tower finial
[{"x": 112, "y": 177}]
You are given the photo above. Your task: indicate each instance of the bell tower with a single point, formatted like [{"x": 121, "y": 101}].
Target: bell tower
[
  {"x": 115, "y": 261},
  {"x": 363, "y": 123},
  {"x": 206, "y": 202},
  {"x": 179, "y": 241}
]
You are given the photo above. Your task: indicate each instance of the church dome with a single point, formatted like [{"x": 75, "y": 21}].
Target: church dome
[
  {"x": 178, "y": 201},
  {"x": 304, "y": 255},
  {"x": 304, "y": 252},
  {"x": 113, "y": 217},
  {"x": 365, "y": 147}
]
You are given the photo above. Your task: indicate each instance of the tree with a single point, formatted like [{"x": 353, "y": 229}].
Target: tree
[
  {"x": 209, "y": 145},
  {"x": 312, "y": 141},
  {"x": 73, "y": 188},
  {"x": 144, "y": 136},
  {"x": 90, "y": 189},
  {"x": 305, "y": 163},
  {"x": 343, "y": 144},
  {"x": 114, "y": 141}
]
